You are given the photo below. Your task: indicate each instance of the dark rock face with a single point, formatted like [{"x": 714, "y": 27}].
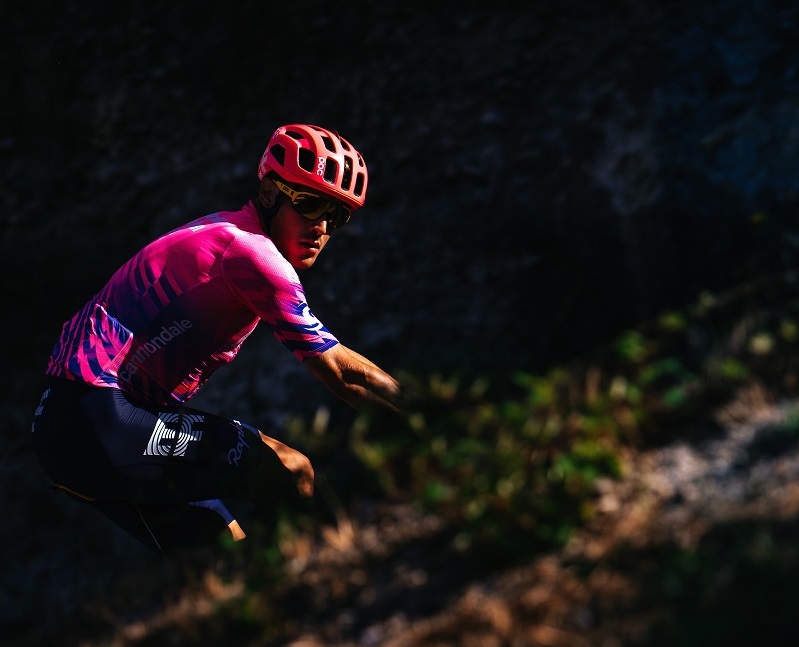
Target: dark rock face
[{"x": 540, "y": 177}]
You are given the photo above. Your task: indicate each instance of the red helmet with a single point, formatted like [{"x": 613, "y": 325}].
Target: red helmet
[{"x": 319, "y": 159}]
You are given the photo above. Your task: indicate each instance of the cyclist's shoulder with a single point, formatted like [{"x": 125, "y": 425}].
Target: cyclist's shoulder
[
  {"x": 248, "y": 239},
  {"x": 220, "y": 223},
  {"x": 214, "y": 233}
]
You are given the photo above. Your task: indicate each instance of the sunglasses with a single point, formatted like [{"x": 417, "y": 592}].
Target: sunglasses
[{"x": 313, "y": 206}]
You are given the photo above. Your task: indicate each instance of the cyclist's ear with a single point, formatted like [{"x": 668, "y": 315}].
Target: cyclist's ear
[{"x": 267, "y": 193}]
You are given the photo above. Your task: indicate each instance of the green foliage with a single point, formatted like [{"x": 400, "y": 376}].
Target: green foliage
[
  {"x": 508, "y": 474},
  {"x": 518, "y": 471}
]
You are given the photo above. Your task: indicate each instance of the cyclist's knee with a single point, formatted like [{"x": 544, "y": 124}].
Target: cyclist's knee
[{"x": 295, "y": 463}]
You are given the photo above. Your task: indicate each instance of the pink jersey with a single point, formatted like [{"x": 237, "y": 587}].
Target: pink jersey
[{"x": 182, "y": 307}]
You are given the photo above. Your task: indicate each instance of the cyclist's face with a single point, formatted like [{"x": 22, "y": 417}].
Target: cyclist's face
[{"x": 299, "y": 240}]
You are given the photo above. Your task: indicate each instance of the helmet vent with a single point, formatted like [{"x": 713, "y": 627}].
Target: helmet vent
[
  {"x": 346, "y": 180},
  {"x": 306, "y": 159},
  {"x": 331, "y": 170},
  {"x": 279, "y": 153},
  {"x": 295, "y": 134},
  {"x": 358, "y": 190},
  {"x": 329, "y": 144}
]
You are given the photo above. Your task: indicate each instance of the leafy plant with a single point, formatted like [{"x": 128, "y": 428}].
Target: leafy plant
[{"x": 519, "y": 471}]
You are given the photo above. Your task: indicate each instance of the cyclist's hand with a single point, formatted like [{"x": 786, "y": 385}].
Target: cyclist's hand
[{"x": 295, "y": 462}]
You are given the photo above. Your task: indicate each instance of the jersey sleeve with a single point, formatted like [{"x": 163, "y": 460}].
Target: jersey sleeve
[{"x": 265, "y": 281}]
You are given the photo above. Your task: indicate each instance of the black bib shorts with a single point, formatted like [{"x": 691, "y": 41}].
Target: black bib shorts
[{"x": 169, "y": 476}]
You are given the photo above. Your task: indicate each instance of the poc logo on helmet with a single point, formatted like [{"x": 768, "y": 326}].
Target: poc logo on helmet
[{"x": 320, "y": 166}]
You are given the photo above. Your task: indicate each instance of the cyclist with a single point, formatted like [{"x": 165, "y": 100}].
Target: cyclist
[{"x": 113, "y": 428}]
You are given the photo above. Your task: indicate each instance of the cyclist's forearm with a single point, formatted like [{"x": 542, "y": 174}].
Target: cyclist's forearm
[{"x": 356, "y": 380}]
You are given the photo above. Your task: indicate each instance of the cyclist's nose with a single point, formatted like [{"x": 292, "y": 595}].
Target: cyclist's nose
[{"x": 320, "y": 226}]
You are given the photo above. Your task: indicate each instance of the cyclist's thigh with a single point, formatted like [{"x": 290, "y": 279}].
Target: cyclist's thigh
[
  {"x": 65, "y": 442},
  {"x": 176, "y": 455}
]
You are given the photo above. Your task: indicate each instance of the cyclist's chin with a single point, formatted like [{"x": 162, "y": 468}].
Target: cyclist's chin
[{"x": 304, "y": 260}]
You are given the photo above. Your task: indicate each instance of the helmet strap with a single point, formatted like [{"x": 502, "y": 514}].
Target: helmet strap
[
  {"x": 267, "y": 211},
  {"x": 266, "y": 214}
]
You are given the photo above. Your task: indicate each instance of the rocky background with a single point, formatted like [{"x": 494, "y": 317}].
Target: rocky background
[{"x": 541, "y": 177}]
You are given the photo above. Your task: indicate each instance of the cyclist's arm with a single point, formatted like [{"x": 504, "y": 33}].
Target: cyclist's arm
[{"x": 354, "y": 379}]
